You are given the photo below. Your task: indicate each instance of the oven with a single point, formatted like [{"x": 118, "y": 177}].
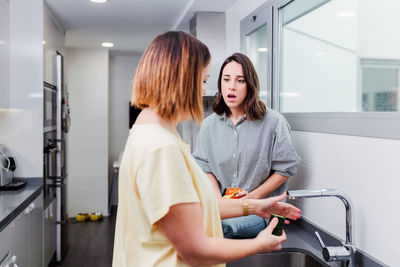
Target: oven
[
  {"x": 49, "y": 140},
  {"x": 49, "y": 107}
]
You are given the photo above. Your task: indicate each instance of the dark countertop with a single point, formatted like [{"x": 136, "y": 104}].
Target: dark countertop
[
  {"x": 12, "y": 203},
  {"x": 299, "y": 239}
]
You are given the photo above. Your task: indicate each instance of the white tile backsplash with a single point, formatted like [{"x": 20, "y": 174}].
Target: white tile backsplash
[
  {"x": 367, "y": 159},
  {"x": 366, "y": 170}
]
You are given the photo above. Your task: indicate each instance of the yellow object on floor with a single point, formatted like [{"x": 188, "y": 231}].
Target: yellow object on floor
[
  {"x": 95, "y": 216},
  {"x": 80, "y": 217}
]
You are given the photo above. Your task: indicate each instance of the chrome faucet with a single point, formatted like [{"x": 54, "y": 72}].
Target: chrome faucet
[{"x": 345, "y": 253}]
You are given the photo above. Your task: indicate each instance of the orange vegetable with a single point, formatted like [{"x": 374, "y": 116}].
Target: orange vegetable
[{"x": 231, "y": 192}]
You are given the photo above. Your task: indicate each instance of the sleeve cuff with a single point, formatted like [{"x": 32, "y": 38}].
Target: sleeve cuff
[{"x": 205, "y": 167}]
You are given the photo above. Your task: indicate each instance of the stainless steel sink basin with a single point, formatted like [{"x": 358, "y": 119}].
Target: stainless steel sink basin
[{"x": 280, "y": 259}]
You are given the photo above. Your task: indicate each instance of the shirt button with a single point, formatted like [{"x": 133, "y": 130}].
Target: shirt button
[
  {"x": 235, "y": 133},
  {"x": 234, "y": 175},
  {"x": 234, "y": 155}
]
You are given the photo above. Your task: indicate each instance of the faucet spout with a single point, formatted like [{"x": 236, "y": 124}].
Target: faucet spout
[{"x": 349, "y": 244}]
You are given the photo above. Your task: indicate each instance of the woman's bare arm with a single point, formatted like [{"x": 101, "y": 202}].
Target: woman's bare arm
[
  {"x": 215, "y": 184},
  {"x": 183, "y": 226},
  {"x": 230, "y": 208},
  {"x": 273, "y": 182}
]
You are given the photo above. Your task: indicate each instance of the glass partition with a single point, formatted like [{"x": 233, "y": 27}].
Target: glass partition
[
  {"x": 339, "y": 56},
  {"x": 256, "y": 50},
  {"x": 256, "y": 43}
]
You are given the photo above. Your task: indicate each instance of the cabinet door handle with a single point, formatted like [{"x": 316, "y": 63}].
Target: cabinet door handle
[
  {"x": 12, "y": 262},
  {"x": 14, "y": 259},
  {"x": 27, "y": 210}
]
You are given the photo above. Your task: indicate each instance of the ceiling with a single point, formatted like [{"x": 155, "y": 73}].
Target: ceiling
[{"x": 129, "y": 24}]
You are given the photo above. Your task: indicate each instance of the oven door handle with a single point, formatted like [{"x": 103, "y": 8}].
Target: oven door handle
[{"x": 50, "y": 150}]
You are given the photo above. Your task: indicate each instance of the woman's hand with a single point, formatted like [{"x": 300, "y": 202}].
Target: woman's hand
[
  {"x": 273, "y": 205},
  {"x": 243, "y": 194},
  {"x": 267, "y": 240}
]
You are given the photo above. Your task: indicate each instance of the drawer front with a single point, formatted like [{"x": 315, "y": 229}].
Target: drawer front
[{"x": 4, "y": 244}]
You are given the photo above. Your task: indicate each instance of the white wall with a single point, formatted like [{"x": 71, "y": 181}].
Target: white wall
[
  {"x": 22, "y": 125},
  {"x": 364, "y": 168},
  {"x": 234, "y": 15},
  {"x": 54, "y": 40},
  {"x": 87, "y": 81},
  {"x": 210, "y": 29},
  {"x": 4, "y": 55},
  {"x": 122, "y": 72}
]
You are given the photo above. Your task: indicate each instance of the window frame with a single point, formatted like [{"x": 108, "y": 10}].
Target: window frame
[
  {"x": 256, "y": 19},
  {"x": 365, "y": 124}
]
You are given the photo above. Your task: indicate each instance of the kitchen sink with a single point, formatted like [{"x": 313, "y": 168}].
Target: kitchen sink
[{"x": 293, "y": 258}]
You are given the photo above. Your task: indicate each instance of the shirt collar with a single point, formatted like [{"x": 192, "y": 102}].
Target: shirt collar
[{"x": 226, "y": 118}]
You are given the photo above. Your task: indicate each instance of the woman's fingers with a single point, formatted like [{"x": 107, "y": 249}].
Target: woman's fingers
[
  {"x": 272, "y": 224},
  {"x": 242, "y": 194},
  {"x": 278, "y": 198},
  {"x": 287, "y": 210}
]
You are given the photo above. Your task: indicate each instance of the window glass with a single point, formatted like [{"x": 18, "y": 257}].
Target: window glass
[
  {"x": 380, "y": 85},
  {"x": 256, "y": 50},
  {"x": 339, "y": 56}
]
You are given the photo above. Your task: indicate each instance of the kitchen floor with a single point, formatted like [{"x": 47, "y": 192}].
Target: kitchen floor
[{"x": 90, "y": 243}]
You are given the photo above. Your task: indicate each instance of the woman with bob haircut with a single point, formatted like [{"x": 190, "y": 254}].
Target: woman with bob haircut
[
  {"x": 167, "y": 212},
  {"x": 244, "y": 144}
]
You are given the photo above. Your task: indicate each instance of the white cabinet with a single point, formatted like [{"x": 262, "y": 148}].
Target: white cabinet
[
  {"x": 26, "y": 235},
  {"x": 4, "y": 246},
  {"x": 36, "y": 233},
  {"x": 49, "y": 232},
  {"x": 4, "y": 54},
  {"x": 20, "y": 232}
]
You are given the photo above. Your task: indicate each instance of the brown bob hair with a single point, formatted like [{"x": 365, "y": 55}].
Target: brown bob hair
[
  {"x": 253, "y": 107},
  {"x": 169, "y": 76}
]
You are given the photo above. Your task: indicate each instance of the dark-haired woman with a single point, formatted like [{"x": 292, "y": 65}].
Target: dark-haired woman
[{"x": 244, "y": 144}]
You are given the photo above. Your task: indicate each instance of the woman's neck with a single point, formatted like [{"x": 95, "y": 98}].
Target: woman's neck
[
  {"x": 236, "y": 115},
  {"x": 149, "y": 116}
]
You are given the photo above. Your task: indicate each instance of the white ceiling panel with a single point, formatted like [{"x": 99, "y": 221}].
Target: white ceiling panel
[{"x": 129, "y": 24}]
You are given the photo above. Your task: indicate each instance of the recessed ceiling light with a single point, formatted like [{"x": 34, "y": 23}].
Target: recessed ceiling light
[
  {"x": 107, "y": 44},
  {"x": 345, "y": 14},
  {"x": 44, "y": 42},
  {"x": 262, "y": 49},
  {"x": 98, "y": 1}
]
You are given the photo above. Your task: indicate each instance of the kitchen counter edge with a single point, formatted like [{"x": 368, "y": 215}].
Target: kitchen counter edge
[{"x": 14, "y": 202}]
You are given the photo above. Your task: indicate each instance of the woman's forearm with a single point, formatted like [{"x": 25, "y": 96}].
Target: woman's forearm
[
  {"x": 183, "y": 227},
  {"x": 215, "y": 184},
  {"x": 230, "y": 208},
  {"x": 213, "y": 250},
  {"x": 272, "y": 183}
]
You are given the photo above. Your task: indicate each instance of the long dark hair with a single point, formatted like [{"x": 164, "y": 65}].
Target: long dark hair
[{"x": 253, "y": 107}]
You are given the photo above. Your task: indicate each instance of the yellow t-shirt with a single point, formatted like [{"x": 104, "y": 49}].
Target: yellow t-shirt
[{"x": 157, "y": 171}]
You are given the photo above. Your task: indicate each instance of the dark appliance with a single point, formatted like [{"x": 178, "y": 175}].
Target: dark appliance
[
  {"x": 49, "y": 140},
  {"x": 55, "y": 175},
  {"x": 7, "y": 166},
  {"x": 133, "y": 114}
]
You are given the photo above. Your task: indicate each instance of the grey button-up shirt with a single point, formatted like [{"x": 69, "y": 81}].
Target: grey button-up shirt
[{"x": 246, "y": 154}]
